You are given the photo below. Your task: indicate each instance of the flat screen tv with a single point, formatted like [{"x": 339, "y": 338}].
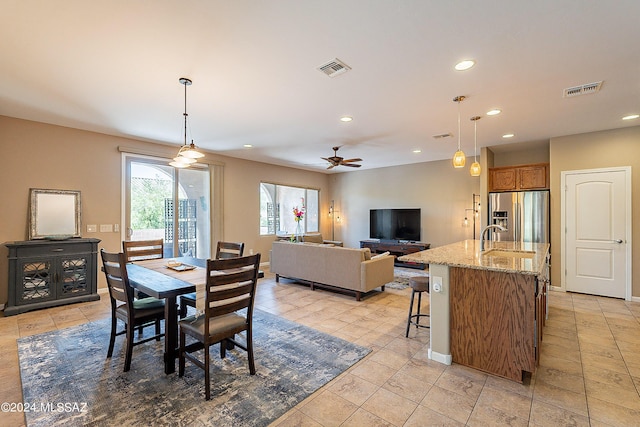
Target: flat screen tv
[{"x": 394, "y": 224}]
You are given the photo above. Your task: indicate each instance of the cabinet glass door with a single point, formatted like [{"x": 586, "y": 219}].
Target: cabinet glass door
[
  {"x": 73, "y": 277},
  {"x": 36, "y": 282}
]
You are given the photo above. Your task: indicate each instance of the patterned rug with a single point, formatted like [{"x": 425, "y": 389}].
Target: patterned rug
[
  {"x": 67, "y": 376},
  {"x": 402, "y": 276}
]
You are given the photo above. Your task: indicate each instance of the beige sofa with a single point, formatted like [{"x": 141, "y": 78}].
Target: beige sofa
[{"x": 335, "y": 267}]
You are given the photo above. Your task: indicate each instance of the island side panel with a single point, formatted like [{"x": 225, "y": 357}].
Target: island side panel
[
  {"x": 439, "y": 343},
  {"x": 493, "y": 321}
]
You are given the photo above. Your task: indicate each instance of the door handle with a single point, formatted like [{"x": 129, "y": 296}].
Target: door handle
[{"x": 618, "y": 241}]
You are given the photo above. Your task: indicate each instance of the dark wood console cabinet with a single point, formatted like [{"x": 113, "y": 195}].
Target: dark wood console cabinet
[
  {"x": 47, "y": 273},
  {"x": 397, "y": 249}
]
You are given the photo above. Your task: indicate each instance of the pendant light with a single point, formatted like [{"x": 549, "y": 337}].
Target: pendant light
[
  {"x": 188, "y": 153},
  {"x": 459, "y": 157},
  {"x": 475, "y": 167}
]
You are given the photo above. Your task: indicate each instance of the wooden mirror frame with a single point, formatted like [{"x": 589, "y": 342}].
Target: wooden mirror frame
[{"x": 54, "y": 214}]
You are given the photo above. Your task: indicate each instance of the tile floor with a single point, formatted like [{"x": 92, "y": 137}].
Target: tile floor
[{"x": 589, "y": 371}]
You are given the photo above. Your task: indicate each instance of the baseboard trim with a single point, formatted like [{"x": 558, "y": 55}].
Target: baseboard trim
[{"x": 439, "y": 357}]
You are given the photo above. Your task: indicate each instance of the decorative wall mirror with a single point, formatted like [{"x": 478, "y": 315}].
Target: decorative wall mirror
[{"x": 54, "y": 214}]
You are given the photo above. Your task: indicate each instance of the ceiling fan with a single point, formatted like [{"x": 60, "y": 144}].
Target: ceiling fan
[{"x": 336, "y": 160}]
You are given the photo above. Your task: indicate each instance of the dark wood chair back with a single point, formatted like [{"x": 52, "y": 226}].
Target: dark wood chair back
[
  {"x": 231, "y": 285},
  {"x": 138, "y": 250},
  {"x": 114, "y": 265},
  {"x": 227, "y": 250}
]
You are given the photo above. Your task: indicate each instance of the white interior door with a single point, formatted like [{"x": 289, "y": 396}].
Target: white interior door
[{"x": 597, "y": 224}]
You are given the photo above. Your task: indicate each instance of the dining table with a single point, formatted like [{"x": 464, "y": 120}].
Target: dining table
[{"x": 165, "y": 279}]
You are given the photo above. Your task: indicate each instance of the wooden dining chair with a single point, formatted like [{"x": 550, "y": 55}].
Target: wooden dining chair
[
  {"x": 230, "y": 287},
  {"x": 133, "y": 312},
  {"x": 140, "y": 250},
  {"x": 224, "y": 250}
]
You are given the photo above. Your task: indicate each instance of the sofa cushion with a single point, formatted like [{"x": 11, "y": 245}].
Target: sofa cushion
[
  {"x": 367, "y": 254},
  {"x": 383, "y": 254},
  {"x": 312, "y": 238}
]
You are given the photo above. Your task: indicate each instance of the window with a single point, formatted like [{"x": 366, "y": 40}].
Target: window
[{"x": 277, "y": 203}]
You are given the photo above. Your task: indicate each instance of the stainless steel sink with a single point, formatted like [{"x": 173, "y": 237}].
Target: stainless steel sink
[{"x": 509, "y": 254}]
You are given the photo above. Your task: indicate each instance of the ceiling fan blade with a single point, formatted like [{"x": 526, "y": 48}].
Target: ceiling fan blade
[
  {"x": 351, "y": 165},
  {"x": 352, "y": 160},
  {"x": 330, "y": 166}
]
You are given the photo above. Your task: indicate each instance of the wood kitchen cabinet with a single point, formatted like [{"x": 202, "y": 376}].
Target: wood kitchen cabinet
[
  {"x": 516, "y": 178},
  {"x": 46, "y": 273}
]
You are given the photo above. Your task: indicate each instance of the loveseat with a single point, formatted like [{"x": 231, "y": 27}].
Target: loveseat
[{"x": 335, "y": 267}]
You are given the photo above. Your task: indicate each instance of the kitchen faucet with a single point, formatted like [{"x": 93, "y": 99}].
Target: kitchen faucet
[{"x": 484, "y": 232}]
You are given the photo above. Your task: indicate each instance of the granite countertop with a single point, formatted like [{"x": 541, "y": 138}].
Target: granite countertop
[{"x": 467, "y": 254}]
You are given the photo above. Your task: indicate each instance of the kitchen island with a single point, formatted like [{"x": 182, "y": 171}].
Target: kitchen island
[{"x": 487, "y": 308}]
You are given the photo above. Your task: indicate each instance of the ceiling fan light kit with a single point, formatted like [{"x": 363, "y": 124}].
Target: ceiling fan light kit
[{"x": 188, "y": 153}]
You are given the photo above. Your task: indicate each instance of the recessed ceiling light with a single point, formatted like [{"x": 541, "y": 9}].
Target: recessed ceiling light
[
  {"x": 346, "y": 119},
  {"x": 631, "y": 117},
  {"x": 465, "y": 65},
  {"x": 494, "y": 112},
  {"x": 248, "y": 146},
  {"x": 508, "y": 135},
  {"x": 417, "y": 150}
]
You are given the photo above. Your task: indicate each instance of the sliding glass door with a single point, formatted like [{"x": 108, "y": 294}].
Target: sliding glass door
[{"x": 162, "y": 202}]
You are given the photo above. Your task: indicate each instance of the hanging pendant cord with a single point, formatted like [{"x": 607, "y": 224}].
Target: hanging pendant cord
[{"x": 185, "y": 113}]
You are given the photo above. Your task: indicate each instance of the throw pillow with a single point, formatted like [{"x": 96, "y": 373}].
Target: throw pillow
[{"x": 384, "y": 254}]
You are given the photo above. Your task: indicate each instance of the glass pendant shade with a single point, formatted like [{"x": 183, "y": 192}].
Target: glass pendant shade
[
  {"x": 183, "y": 159},
  {"x": 179, "y": 164},
  {"x": 190, "y": 151},
  {"x": 459, "y": 159},
  {"x": 475, "y": 169}
]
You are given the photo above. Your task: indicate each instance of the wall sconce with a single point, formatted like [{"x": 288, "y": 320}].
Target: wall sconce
[
  {"x": 475, "y": 213},
  {"x": 332, "y": 216}
]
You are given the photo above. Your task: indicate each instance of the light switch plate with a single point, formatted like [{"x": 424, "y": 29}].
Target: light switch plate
[
  {"x": 106, "y": 228},
  {"x": 92, "y": 228}
]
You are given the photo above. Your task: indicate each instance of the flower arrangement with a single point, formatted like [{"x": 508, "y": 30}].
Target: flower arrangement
[{"x": 298, "y": 214}]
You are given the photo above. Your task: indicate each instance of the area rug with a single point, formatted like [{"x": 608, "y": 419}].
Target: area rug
[
  {"x": 66, "y": 376},
  {"x": 402, "y": 276}
]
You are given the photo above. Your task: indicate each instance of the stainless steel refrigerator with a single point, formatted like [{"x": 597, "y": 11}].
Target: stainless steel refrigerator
[{"x": 525, "y": 215}]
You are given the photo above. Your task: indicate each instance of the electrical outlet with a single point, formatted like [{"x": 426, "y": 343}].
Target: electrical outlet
[
  {"x": 437, "y": 284},
  {"x": 116, "y": 228},
  {"x": 92, "y": 228},
  {"x": 106, "y": 228}
]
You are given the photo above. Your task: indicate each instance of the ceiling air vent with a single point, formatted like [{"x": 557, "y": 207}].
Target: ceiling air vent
[
  {"x": 334, "y": 68},
  {"x": 582, "y": 89},
  {"x": 443, "y": 135}
]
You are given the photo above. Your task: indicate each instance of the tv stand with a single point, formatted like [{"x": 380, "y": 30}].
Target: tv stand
[{"x": 396, "y": 248}]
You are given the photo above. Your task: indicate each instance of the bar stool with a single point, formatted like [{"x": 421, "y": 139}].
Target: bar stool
[{"x": 419, "y": 284}]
